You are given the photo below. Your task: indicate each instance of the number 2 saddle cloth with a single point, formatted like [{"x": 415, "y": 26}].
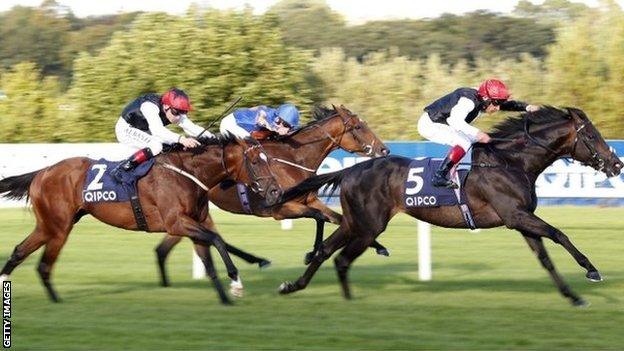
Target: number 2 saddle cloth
[{"x": 101, "y": 186}]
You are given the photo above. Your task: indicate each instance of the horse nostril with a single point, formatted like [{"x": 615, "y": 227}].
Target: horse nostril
[{"x": 385, "y": 151}]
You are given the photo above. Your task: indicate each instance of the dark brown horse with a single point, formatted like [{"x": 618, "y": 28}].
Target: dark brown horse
[
  {"x": 501, "y": 192},
  {"x": 171, "y": 202},
  {"x": 294, "y": 158}
]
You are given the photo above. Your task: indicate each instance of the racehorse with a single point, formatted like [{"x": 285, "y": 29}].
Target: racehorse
[
  {"x": 294, "y": 158},
  {"x": 500, "y": 191},
  {"x": 171, "y": 202}
]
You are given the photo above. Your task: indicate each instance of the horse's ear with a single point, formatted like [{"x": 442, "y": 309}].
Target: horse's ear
[{"x": 575, "y": 113}]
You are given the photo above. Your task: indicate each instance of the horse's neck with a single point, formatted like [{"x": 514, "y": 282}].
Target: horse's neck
[
  {"x": 207, "y": 166},
  {"x": 310, "y": 147},
  {"x": 533, "y": 159}
]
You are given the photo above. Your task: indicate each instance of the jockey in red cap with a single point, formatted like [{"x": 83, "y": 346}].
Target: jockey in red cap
[
  {"x": 447, "y": 121},
  {"x": 142, "y": 126}
]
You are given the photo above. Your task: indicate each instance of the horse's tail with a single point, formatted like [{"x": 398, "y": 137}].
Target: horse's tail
[
  {"x": 16, "y": 187},
  {"x": 314, "y": 183}
]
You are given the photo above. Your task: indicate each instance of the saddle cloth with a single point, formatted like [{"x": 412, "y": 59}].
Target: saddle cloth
[
  {"x": 419, "y": 192},
  {"x": 101, "y": 186}
]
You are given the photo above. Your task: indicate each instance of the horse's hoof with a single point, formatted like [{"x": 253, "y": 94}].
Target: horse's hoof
[
  {"x": 594, "y": 276},
  {"x": 227, "y": 302},
  {"x": 580, "y": 303},
  {"x": 165, "y": 284},
  {"x": 383, "y": 252},
  {"x": 264, "y": 264},
  {"x": 308, "y": 258},
  {"x": 236, "y": 288},
  {"x": 287, "y": 288}
]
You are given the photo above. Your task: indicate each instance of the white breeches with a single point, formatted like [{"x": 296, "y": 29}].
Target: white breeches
[
  {"x": 136, "y": 138},
  {"x": 228, "y": 126},
  {"x": 442, "y": 133}
]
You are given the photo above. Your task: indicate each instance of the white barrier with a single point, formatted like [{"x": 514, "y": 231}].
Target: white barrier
[{"x": 424, "y": 251}]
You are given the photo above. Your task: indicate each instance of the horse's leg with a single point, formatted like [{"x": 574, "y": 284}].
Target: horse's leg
[
  {"x": 183, "y": 225},
  {"x": 162, "y": 251},
  {"x": 330, "y": 245},
  {"x": 335, "y": 218},
  {"x": 236, "y": 286},
  {"x": 203, "y": 251},
  {"x": 29, "y": 245},
  {"x": 50, "y": 254},
  {"x": 250, "y": 258},
  {"x": 343, "y": 261},
  {"x": 318, "y": 242},
  {"x": 530, "y": 223},
  {"x": 537, "y": 245}
]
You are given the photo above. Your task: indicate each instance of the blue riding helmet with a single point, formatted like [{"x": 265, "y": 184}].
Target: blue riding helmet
[{"x": 289, "y": 113}]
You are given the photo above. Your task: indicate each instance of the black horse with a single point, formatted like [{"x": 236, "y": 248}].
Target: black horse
[{"x": 500, "y": 192}]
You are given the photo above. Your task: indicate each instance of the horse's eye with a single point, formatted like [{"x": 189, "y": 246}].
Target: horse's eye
[
  {"x": 254, "y": 162},
  {"x": 357, "y": 126}
]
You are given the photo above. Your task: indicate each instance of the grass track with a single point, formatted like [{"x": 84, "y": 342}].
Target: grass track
[{"x": 488, "y": 292}]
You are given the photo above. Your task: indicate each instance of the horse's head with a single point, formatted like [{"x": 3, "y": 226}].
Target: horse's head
[
  {"x": 590, "y": 148},
  {"x": 355, "y": 136},
  {"x": 258, "y": 173}
]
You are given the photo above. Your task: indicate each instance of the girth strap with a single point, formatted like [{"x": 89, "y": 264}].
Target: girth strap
[{"x": 137, "y": 210}]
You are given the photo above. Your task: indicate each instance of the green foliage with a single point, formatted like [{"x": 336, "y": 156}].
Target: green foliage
[
  {"x": 33, "y": 34},
  {"x": 30, "y": 107},
  {"x": 585, "y": 68},
  {"x": 387, "y": 71},
  {"x": 309, "y": 24},
  {"x": 214, "y": 55}
]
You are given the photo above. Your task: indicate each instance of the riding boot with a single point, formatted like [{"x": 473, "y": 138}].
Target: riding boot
[
  {"x": 441, "y": 175},
  {"x": 131, "y": 163}
]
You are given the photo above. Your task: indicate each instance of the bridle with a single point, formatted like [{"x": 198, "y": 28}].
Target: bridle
[
  {"x": 336, "y": 141},
  {"x": 596, "y": 162},
  {"x": 256, "y": 180}
]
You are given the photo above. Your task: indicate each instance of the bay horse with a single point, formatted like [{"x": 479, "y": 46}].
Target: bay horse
[
  {"x": 171, "y": 202},
  {"x": 500, "y": 189},
  {"x": 293, "y": 158}
]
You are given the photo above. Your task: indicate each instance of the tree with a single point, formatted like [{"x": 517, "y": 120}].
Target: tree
[
  {"x": 309, "y": 24},
  {"x": 214, "y": 55},
  {"x": 30, "y": 105},
  {"x": 36, "y": 35}
]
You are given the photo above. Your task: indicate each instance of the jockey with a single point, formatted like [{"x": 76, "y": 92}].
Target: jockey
[
  {"x": 446, "y": 121},
  {"x": 243, "y": 121},
  {"x": 142, "y": 126}
]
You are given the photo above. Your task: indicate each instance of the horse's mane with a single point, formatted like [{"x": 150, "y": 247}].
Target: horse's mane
[{"x": 515, "y": 124}]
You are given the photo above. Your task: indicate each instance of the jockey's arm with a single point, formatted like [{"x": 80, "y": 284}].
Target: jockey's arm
[
  {"x": 193, "y": 129},
  {"x": 512, "y": 105},
  {"x": 457, "y": 118},
  {"x": 156, "y": 127}
]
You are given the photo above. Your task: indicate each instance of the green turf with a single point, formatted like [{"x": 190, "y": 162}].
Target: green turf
[{"x": 488, "y": 291}]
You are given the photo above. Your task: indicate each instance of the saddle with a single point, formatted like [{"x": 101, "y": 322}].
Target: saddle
[
  {"x": 101, "y": 186},
  {"x": 419, "y": 191}
]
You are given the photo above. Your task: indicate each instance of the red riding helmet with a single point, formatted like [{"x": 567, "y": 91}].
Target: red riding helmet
[
  {"x": 177, "y": 99},
  {"x": 494, "y": 89}
]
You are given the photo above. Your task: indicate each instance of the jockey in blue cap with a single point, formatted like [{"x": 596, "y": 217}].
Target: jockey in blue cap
[{"x": 243, "y": 121}]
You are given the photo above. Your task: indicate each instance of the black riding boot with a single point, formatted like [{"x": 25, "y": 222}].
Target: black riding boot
[
  {"x": 441, "y": 175},
  {"x": 131, "y": 163}
]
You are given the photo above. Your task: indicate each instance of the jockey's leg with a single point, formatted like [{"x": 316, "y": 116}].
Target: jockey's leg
[
  {"x": 441, "y": 175},
  {"x": 444, "y": 134},
  {"x": 137, "y": 158}
]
